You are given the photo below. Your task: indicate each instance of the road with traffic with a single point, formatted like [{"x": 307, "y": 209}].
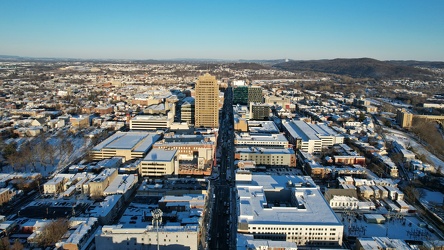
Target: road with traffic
[{"x": 223, "y": 223}]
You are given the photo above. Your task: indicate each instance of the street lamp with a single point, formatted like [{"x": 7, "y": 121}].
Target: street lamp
[{"x": 157, "y": 218}]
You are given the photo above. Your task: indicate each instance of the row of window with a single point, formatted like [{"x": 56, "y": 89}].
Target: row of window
[
  {"x": 297, "y": 233},
  {"x": 311, "y": 238},
  {"x": 292, "y": 228},
  {"x": 302, "y": 240},
  {"x": 263, "y": 156}
]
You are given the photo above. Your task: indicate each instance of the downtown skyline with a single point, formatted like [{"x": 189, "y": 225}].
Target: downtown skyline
[{"x": 229, "y": 30}]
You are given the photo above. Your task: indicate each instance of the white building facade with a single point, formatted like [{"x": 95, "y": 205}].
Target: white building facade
[
  {"x": 344, "y": 202},
  {"x": 117, "y": 237},
  {"x": 310, "y": 137},
  {"x": 287, "y": 208}
]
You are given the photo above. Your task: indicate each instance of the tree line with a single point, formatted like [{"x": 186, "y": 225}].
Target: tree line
[{"x": 35, "y": 153}]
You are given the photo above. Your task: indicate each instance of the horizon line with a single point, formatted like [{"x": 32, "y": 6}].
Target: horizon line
[{"x": 196, "y": 59}]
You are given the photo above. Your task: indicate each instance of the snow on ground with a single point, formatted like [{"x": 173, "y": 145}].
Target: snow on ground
[
  {"x": 80, "y": 147},
  {"x": 402, "y": 227},
  {"x": 432, "y": 201},
  {"x": 407, "y": 140},
  {"x": 432, "y": 196},
  {"x": 396, "y": 103}
]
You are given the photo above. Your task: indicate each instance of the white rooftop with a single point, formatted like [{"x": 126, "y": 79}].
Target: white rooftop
[
  {"x": 260, "y": 137},
  {"x": 157, "y": 154},
  {"x": 264, "y": 150},
  {"x": 311, "y": 207},
  {"x": 308, "y": 131},
  {"x": 262, "y": 127},
  {"x": 138, "y": 141},
  {"x": 121, "y": 184}
]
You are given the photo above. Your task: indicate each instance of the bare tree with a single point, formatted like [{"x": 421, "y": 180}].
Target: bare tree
[
  {"x": 428, "y": 132},
  {"x": 27, "y": 156},
  {"x": 17, "y": 245},
  {"x": 397, "y": 158},
  {"x": 52, "y": 232},
  {"x": 4, "y": 243},
  {"x": 13, "y": 161},
  {"x": 51, "y": 155}
]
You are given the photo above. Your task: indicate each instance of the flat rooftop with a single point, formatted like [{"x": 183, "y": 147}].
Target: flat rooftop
[
  {"x": 150, "y": 117},
  {"x": 260, "y": 137},
  {"x": 157, "y": 154},
  {"x": 308, "y": 131},
  {"x": 121, "y": 184},
  {"x": 310, "y": 207},
  {"x": 264, "y": 150},
  {"x": 262, "y": 127},
  {"x": 128, "y": 141}
]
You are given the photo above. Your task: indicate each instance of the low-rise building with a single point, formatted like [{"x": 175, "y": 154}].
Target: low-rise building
[
  {"x": 190, "y": 147},
  {"x": 122, "y": 184},
  {"x": 5, "y": 195},
  {"x": 81, "y": 121},
  {"x": 97, "y": 185},
  {"x": 54, "y": 186},
  {"x": 129, "y": 145},
  {"x": 349, "y": 159},
  {"x": 117, "y": 237},
  {"x": 107, "y": 210},
  {"x": 344, "y": 202},
  {"x": 80, "y": 234},
  {"x": 152, "y": 122},
  {"x": 380, "y": 243},
  {"x": 267, "y": 156},
  {"x": 309, "y": 137},
  {"x": 264, "y": 140},
  {"x": 262, "y": 127},
  {"x": 177, "y": 203},
  {"x": 287, "y": 208},
  {"x": 159, "y": 162},
  {"x": 104, "y": 109}
]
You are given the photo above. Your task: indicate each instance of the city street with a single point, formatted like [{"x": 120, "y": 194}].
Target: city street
[{"x": 223, "y": 222}]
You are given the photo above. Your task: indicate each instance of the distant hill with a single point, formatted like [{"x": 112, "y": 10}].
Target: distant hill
[
  {"x": 247, "y": 65},
  {"x": 439, "y": 65},
  {"x": 263, "y": 62},
  {"x": 358, "y": 68}
]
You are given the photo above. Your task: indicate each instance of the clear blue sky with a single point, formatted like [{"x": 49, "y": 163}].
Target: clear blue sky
[{"x": 241, "y": 29}]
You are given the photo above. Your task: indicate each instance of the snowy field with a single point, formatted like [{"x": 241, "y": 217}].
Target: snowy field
[
  {"x": 79, "y": 144},
  {"x": 407, "y": 141},
  {"x": 432, "y": 197},
  {"x": 397, "y": 227}
]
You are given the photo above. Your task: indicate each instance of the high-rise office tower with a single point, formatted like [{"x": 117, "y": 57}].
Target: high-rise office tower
[
  {"x": 255, "y": 94},
  {"x": 240, "y": 95},
  {"x": 259, "y": 111},
  {"x": 187, "y": 110},
  {"x": 206, "y": 103},
  {"x": 404, "y": 118}
]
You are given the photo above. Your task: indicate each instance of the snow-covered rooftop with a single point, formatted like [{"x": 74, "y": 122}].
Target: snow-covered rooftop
[
  {"x": 308, "y": 204},
  {"x": 158, "y": 154},
  {"x": 139, "y": 141}
]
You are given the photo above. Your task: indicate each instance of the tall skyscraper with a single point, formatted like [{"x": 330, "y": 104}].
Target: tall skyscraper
[
  {"x": 240, "y": 95},
  {"x": 259, "y": 111},
  {"x": 187, "y": 110},
  {"x": 206, "y": 104},
  {"x": 255, "y": 94},
  {"x": 404, "y": 118}
]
